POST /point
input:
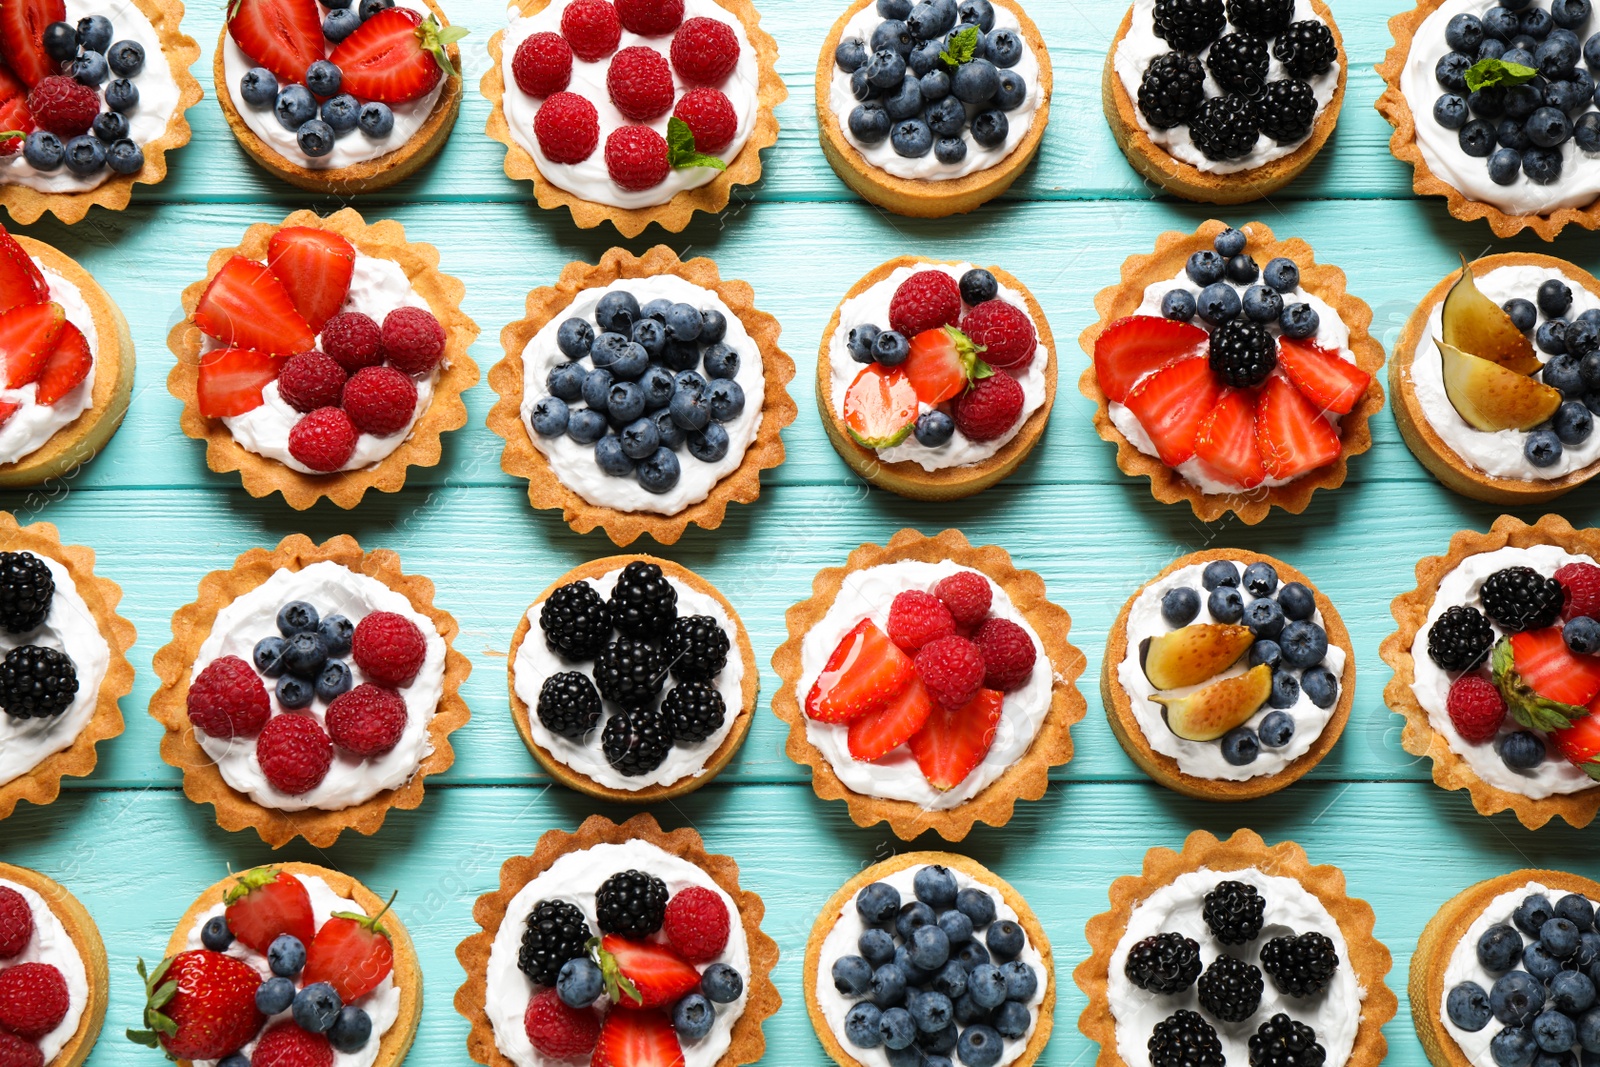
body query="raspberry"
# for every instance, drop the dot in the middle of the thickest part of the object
(650, 18)
(389, 648)
(323, 440)
(368, 720)
(16, 922)
(15, 1052)
(413, 340)
(967, 594)
(33, 999)
(1008, 654)
(542, 64)
(353, 339)
(704, 51)
(952, 670)
(63, 106)
(1005, 331)
(1476, 708)
(925, 301)
(636, 158)
(640, 83)
(286, 1045)
(592, 28)
(294, 753)
(557, 1031)
(990, 407)
(916, 617)
(567, 127)
(697, 924)
(228, 700)
(311, 380)
(710, 117)
(380, 400)
(1580, 590)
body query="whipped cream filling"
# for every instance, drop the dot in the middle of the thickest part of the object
(1464, 967)
(867, 594)
(34, 423)
(574, 879)
(872, 307)
(52, 945)
(332, 589)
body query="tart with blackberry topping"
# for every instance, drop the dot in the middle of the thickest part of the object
(53, 976)
(309, 690)
(1232, 370)
(632, 679)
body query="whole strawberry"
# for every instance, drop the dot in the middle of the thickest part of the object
(990, 408)
(266, 902)
(352, 952)
(1476, 708)
(1580, 590)
(927, 300)
(952, 670)
(199, 1005)
(33, 999)
(1006, 333)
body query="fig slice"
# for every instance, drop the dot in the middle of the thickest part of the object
(1191, 654)
(1491, 397)
(1207, 714)
(1478, 326)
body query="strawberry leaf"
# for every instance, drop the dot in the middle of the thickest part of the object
(437, 40)
(961, 48)
(617, 983)
(1488, 73)
(681, 151)
(1528, 707)
(370, 922)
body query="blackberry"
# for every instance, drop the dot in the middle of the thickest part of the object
(1306, 49)
(698, 648)
(26, 589)
(575, 621)
(1282, 1042)
(1460, 638)
(1520, 598)
(1243, 353)
(569, 705)
(1166, 963)
(1288, 110)
(630, 671)
(557, 932)
(1230, 989)
(1185, 1039)
(694, 712)
(1238, 63)
(1300, 966)
(1233, 911)
(37, 682)
(631, 903)
(1264, 18)
(1225, 127)
(1171, 89)
(1189, 25)
(643, 602)
(637, 740)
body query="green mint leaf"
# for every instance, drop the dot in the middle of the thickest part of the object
(1490, 73)
(961, 47)
(681, 151)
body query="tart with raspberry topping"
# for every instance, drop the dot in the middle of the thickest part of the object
(53, 976)
(633, 112)
(309, 690)
(323, 357)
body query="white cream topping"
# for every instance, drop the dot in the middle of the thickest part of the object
(1464, 967)
(34, 423)
(52, 945)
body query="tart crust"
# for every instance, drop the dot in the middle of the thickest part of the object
(368, 175)
(25, 205)
(1028, 777)
(1245, 849)
(972, 869)
(573, 779)
(261, 476)
(546, 491)
(762, 1000)
(396, 1042)
(1321, 279)
(917, 197)
(1164, 769)
(191, 625)
(1443, 462)
(85, 937)
(909, 478)
(1410, 610)
(43, 784)
(1190, 182)
(675, 214)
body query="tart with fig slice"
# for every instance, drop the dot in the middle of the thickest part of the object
(53, 978)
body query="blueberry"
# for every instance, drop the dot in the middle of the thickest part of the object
(596, 384)
(1531, 915)
(692, 382)
(268, 656)
(1589, 1032)
(1557, 56)
(852, 976)
(1297, 601)
(1281, 274)
(377, 120)
(332, 681)
(297, 617)
(906, 100)
(1489, 102)
(986, 985)
(968, 1012)
(1004, 48)
(1005, 939)
(215, 934)
(610, 457)
(888, 985)
(1573, 422)
(876, 946)
(1218, 303)
(1265, 619)
(1582, 336)
(304, 654)
(977, 905)
(1513, 1047)
(870, 124)
(929, 947)
(94, 33)
(124, 157)
(286, 956)
(914, 915)
(915, 976)
(891, 348)
(878, 903)
(110, 126)
(1240, 746)
(1012, 1020)
(1260, 579)
(899, 1030)
(975, 82)
(1535, 22)
(1547, 128)
(1551, 337)
(586, 426)
(631, 362)
(274, 995)
(1265, 651)
(368, 8)
(977, 286)
(1566, 95)
(1575, 907)
(122, 95)
(720, 983)
(295, 106)
(935, 86)
(351, 1030)
(1261, 304)
(323, 78)
(60, 41)
(935, 886)
(1242, 269)
(657, 384)
(885, 70)
(616, 311)
(911, 138)
(672, 435)
(1515, 998)
(1464, 33)
(951, 979)
(1559, 937)
(1304, 643)
(956, 926)
(1522, 313)
(893, 35)
(1276, 730)
(851, 55)
(1571, 992)
(1537, 961)
(1225, 604)
(1450, 111)
(85, 155)
(1178, 304)
(1591, 51)
(1570, 14)
(550, 415)
(1554, 297)
(858, 342)
(316, 1007)
(1219, 572)
(861, 1025)
(1451, 71)
(934, 428)
(1204, 267)
(1542, 165)
(1521, 101)
(1180, 606)
(1320, 686)
(1021, 981)
(1553, 1031)
(340, 23)
(43, 150)
(625, 402)
(1299, 320)
(1468, 1007)
(1500, 948)
(1229, 243)
(932, 1011)
(971, 954)
(1285, 690)
(341, 113)
(1542, 448)
(980, 1046)
(1588, 952)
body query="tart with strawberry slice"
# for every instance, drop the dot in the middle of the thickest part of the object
(309, 690)
(53, 977)
(633, 112)
(323, 357)
(1233, 371)
(622, 945)
(935, 380)
(928, 684)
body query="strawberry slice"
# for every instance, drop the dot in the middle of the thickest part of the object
(68, 365)
(352, 952)
(1138, 345)
(285, 36)
(21, 280)
(942, 364)
(1293, 435)
(15, 118)
(8, 408)
(637, 1039)
(1226, 443)
(266, 902)
(1552, 670)
(865, 672)
(246, 306)
(1579, 743)
(644, 974)
(1172, 403)
(952, 743)
(1327, 380)
(28, 336)
(396, 56)
(880, 407)
(875, 736)
(315, 268)
(231, 380)
(22, 24)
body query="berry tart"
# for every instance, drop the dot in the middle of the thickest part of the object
(642, 394)
(1232, 370)
(64, 666)
(1228, 675)
(1497, 669)
(341, 97)
(53, 977)
(939, 687)
(958, 379)
(1489, 379)
(633, 112)
(309, 690)
(594, 700)
(323, 357)
(1233, 951)
(1224, 103)
(935, 107)
(620, 946)
(291, 964)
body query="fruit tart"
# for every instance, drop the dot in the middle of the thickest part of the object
(1176, 971)
(1233, 371)
(309, 690)
(633, 112)
(1224, 103)
(638, 683)
(323, 357)
(961, 972)
(65, 662)
(935, 380)
(1497, 669)
(288, 964)
(618, 945)
(939, 687)
(1228, 676)
(935, 107)
(53, 978)
(642, 394)
(1489, 381)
